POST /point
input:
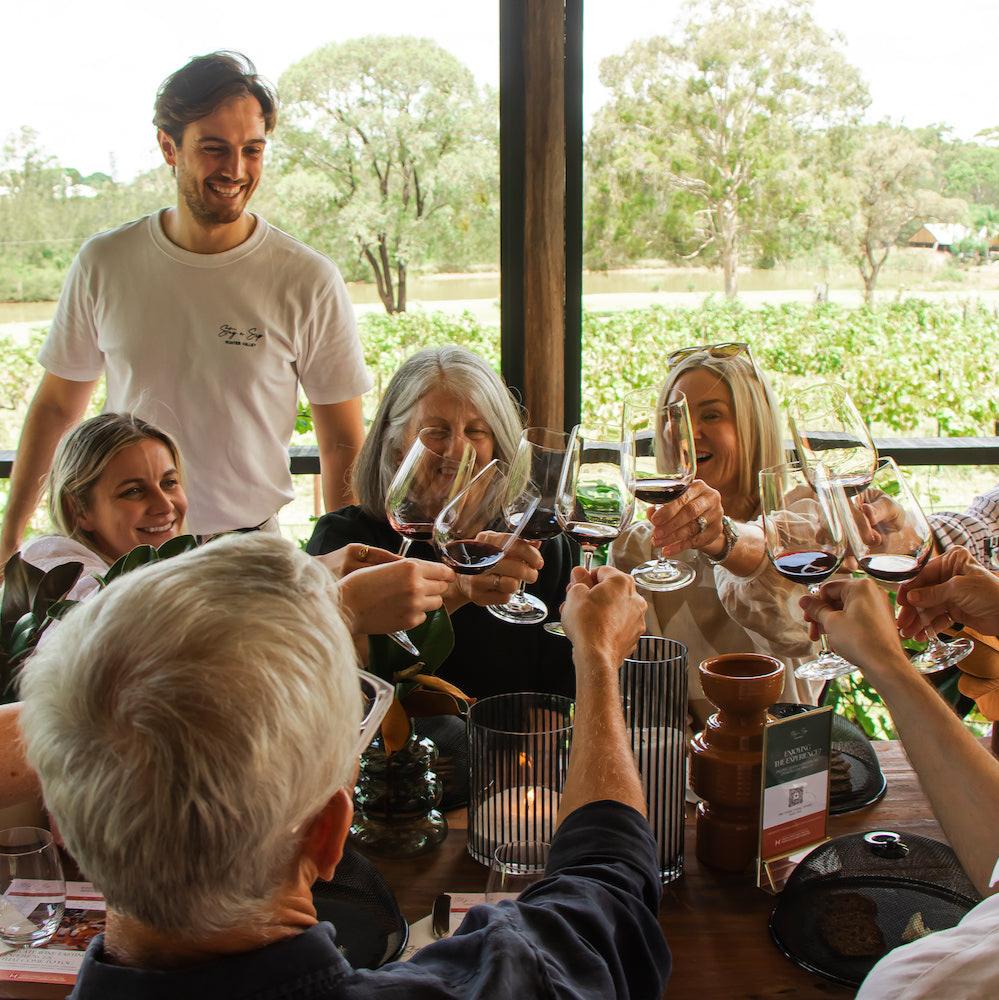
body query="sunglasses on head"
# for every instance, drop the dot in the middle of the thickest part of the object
(729, 349)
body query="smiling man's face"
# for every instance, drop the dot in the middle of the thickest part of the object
(219, 161)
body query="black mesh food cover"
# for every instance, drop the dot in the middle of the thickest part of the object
(855, 776)
(855, 898)
(370, 930)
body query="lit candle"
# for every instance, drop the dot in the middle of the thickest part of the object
(519, 813)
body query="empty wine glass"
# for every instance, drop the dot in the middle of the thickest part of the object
(32, 885)
(659, 462)
(534, 473)
(476, 509)
(515, 867)
(594, 504)
(805, 541)
(892, 541)
(827, 427)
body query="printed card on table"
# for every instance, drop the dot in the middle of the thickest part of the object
(794, 799)
(60, 960)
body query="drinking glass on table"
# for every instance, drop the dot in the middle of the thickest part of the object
(477, 509)
(594, 504)
(534, 473)
(32, 885)
(659, 462)
(827, 427)
(428, 477)
(515, 867)
(892, 541)
(805, 540)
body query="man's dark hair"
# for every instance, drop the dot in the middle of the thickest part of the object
(198, 88)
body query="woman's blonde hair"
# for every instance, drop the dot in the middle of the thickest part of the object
(81, 458)
(756, 413)
(450, 367)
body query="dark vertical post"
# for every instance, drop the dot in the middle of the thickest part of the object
(573, 210)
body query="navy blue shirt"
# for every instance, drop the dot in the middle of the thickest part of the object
(589, 931)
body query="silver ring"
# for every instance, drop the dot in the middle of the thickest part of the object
(702, 524)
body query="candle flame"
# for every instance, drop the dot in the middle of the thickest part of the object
(530, 796)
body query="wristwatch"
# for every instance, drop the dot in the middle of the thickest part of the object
(731, 534)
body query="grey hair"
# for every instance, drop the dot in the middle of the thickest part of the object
(187, 722)
(756, 413)
(449, 367)
(81, 458)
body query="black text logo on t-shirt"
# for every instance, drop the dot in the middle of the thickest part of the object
(239, 338)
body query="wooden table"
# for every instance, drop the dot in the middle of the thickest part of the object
(716, 924)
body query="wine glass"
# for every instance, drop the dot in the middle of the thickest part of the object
(515, 866)
(594, 504)
(805, 541)
(534, 473)
(426, 481)
(892, 541)
(827, 427)
(32, 885)
(659, 462)
(478, 508)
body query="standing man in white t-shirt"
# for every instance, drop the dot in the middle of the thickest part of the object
(206, 320)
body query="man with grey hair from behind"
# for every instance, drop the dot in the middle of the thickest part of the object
(195, 730)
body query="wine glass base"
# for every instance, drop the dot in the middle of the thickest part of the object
(521, 609)
(944, 655)
(555, 628)
(653, 575)
(824, 667)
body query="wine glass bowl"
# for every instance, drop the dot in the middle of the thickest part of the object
(827, 427)
(515, 867)
(892, 541)
(32, 886)
(659, 462)
(805, 540)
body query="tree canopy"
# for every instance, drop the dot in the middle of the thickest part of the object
(389, 154)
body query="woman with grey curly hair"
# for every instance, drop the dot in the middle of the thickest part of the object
(455, 392)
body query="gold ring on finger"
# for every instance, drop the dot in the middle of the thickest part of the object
(362, 553)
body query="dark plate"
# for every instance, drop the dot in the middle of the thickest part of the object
(795, 921)
(362, 934)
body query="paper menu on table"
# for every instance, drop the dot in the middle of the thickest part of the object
(420, 931)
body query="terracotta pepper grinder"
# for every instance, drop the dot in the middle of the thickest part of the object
(726, 759)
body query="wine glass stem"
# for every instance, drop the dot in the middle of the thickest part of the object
(587, 559)
(404, 547)
(823, 641)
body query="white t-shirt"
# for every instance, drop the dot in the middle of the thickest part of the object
(211, 348)
(960, 964)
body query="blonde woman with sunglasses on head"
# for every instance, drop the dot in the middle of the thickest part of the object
(737, 602)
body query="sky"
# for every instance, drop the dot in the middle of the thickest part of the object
(84, 76)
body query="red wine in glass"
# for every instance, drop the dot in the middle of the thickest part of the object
(892, 568)
(807, 567)
(589, 535)
(470, 557)
(659, 491)
(418, 531)
(542, 525)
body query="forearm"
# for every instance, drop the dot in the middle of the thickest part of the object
(747, 553)
(601, 765)
(959, 776)
(43, 428)
(335, 466)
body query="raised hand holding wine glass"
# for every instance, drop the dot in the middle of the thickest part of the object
(805, 540)
(892, 541)
(533, 484)
(660, 462)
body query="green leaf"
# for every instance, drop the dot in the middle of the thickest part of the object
(54, 586)
(141, 555)
(434, 638)
(176, 546)
(57, 611)
(21, 579)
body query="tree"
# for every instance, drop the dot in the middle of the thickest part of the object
(721, 114)
(887, 180)
(388, 151)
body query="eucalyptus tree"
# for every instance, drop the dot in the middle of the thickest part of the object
(388, 154)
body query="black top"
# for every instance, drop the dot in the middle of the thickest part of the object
(589, 931)
(490, 656)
